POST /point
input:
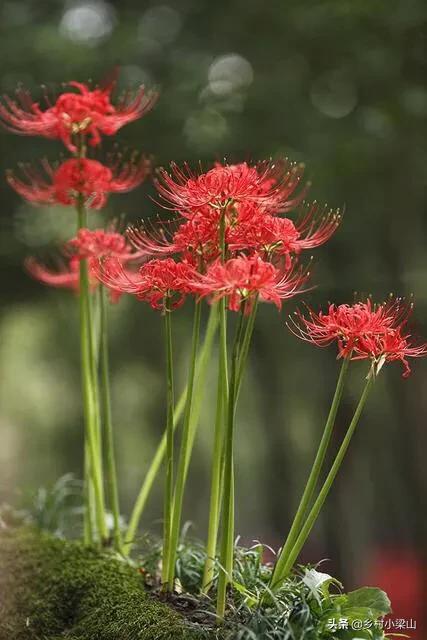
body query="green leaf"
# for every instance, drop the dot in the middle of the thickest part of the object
(250, 598)
(372, 598)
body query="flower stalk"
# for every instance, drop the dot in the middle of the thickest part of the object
(215, 492)
(88, 506)
(326, 487)
(312, 479)
(218, 449)
(227, 537)
(111, 471)
(168, 494)
(184, 455)
(220, 420)
(201, 373)
(90, 399)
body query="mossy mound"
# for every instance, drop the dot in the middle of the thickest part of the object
(52, 589)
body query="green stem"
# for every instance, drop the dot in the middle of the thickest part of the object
(88, 535)
(184, 450)
(315, 510)
(94, 350)
(169, 446)
(89, 397)
(89, 405)
(243, 356)
(215, 494)
(227, 541)
(108, 424)
(201, 371)
(217, 457)
(313, 477)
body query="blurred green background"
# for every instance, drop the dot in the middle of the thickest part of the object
(338, 84)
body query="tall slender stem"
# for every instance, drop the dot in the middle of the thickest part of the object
(246, 342)
(201, 371)
(88, 528)
(220, 419)
(324, 491)
(227, 541)
(313, 477)
(184, 450)
(217, 456)
(169, 446)
(89, 397)
(108, 425)
(215, 494)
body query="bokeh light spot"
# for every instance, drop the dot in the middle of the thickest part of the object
(229, 73)
(88, 22)
(334, 95)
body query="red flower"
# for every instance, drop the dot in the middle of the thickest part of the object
(197, 239)
(66, 275)
(88, 112)
(363, 331)
(90, 245)
(244, 278)
(390, 346)
(270, 185)
(316, 226)
(98, 244)
(78, 177)
(273, 235)
(156, 282)
(248, 229)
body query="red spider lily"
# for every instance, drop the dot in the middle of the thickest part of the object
(87, 112)
(268, 184)
(157, 281)
(78, 177)
(264, 233)
(362, 331)
(91, 245)
(197, 239)
(391, 346)
(66, 275)
(248, 229)
(98, 244)
(273, 235)
(244, 278)
(153, 239)
(316, 226)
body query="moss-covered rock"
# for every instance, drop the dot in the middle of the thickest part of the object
(52, 589)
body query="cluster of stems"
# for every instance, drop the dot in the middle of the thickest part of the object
(309, 508)
(97, 406)
(220, 540)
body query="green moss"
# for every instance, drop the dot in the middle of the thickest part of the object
(52, 589)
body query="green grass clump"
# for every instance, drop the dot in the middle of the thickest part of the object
(52, 589)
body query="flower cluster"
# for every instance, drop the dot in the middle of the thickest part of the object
(92, 245)
(164, 284)
(230, 232)
(363, 331)
(86, 111)
(78, 178)
(242, 279)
